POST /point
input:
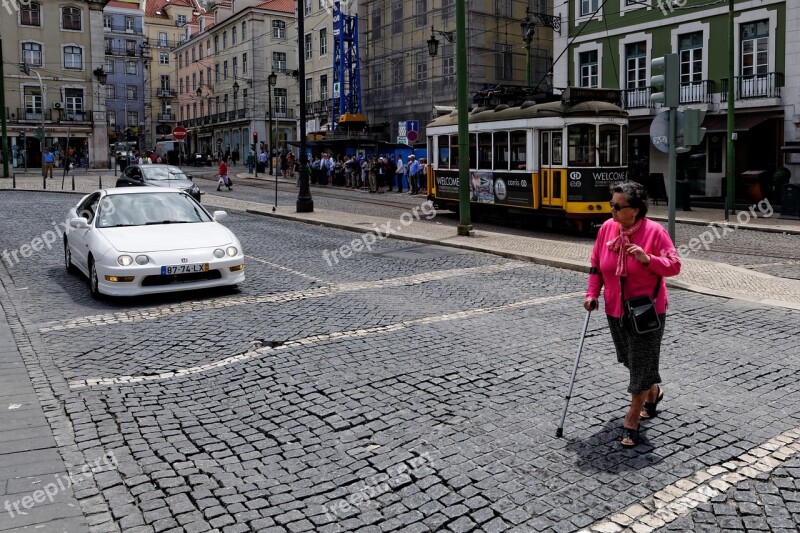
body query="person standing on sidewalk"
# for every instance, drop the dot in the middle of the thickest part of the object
(413, 170)
(399, 172)
(48, 162)
(631, 257)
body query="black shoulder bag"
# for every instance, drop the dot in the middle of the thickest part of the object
(640, 311)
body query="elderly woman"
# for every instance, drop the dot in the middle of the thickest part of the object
(631, 258)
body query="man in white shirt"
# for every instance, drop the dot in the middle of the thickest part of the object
(399, 172)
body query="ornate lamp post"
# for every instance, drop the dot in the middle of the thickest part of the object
(305, 204)
(528, 28)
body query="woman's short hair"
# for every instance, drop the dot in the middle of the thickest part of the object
(635, 195)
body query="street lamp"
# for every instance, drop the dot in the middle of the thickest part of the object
(235, 99)
(528, 29)
(433, 51)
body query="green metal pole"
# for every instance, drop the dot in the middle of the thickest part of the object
(465, 224)
(730, 150)
(4, 140)
(527, 64)
(671, 169)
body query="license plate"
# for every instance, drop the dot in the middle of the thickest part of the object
(169, 270)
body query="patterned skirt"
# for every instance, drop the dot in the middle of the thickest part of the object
(639, 353)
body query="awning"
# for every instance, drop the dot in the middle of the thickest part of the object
(742, 123)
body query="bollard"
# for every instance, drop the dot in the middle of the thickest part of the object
(44, 180)
(101, 182)
(73, 182)
(13, 180)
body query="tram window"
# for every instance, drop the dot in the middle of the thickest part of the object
(485, 151)
(444, 151)
(558, 152)
(473, 148)
(609, 145)
(501, 150)
(624, 145)
(581, 139)
(453, 151)
(519, 149)
(545, 148)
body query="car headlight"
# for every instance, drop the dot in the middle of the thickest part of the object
(125, 260)
(219, 253)
(232, 251)
(142, 259)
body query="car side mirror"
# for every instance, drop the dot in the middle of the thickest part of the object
(219, 216)
(78, 223)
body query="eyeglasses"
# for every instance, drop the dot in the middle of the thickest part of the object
(617, 207)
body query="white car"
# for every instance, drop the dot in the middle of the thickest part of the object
(132, 241)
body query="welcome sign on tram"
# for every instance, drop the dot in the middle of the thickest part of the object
(499, 188)
(582, 183)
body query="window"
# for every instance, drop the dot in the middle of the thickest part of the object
(504, 68)
(235, 67)
(244, 31)
(216, 44)
(635, 65)
(108, 67)
(71, 18)
(33, 100)
(420, 12)
(309, 90)
(133, 118)
(502, 8)
(519, 149)
(581, 145)
(244, 98)
(244, 63)
(165, 82)
(32, 54)
(280, 101)
(202, 81)
(131, 92)
(73, 101)
(181, 20)
(128, 24)
(278, 60)
(755, 48)
(31, 14)
(130, 68)
(73, 57)
(323, 87)
(397, 17)
(163, 58)
(377, 30)
(484, 151)
(180, 86)
(208, 74)
(224, 70)
(194, 81)
(109, 46)
(162, 38)
(226, 103)
(589, 6)
(448, 9)
(588, 69)
(448, 60)
(130, 48)
(180, 61)
(111, 118)
(307, 7)
(216, 73)
(208, 47)
(233, 36)
(690, 49)
(610, 146)
(307, 46)
(377, 78)
(278, 29)
(107, 23)
(224, 39)
(500, 150)
(421, 69)
(111, 92)
(397, 73)
(194, 55)
(323, 41)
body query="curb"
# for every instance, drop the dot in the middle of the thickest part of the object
(695, 222)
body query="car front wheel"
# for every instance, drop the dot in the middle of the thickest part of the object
(68, 259)
(94, 281)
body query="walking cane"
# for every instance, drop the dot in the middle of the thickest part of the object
(560, 430)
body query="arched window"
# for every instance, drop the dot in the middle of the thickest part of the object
(32, 54)
(30, 15)
(71, 18)
(73, 57)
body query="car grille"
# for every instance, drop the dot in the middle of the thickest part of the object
(153, 281)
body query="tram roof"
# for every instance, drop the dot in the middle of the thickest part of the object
(533, 110)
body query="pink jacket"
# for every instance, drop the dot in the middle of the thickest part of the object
(641, 279)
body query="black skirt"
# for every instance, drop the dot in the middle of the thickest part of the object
(639, 353)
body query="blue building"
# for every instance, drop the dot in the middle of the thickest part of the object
(127, 64)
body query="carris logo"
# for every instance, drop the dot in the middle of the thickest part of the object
(575, 175)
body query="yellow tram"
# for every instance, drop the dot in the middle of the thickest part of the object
(555, 160)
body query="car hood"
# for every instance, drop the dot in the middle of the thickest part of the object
(165, 237)
(174, 184)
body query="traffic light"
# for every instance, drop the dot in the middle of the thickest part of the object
(255, 137)
(693, 133)
(667, 84)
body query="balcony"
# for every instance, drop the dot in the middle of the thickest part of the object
(164, 117)
(321, 107)
(284, 113)
(119, 28)
(697, 92)
(119, 51)
(751, 87)
(166, 93)
(638, 98)
(24, 115)
(76, 116)
(242, 113)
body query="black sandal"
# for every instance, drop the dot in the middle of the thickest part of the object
(650, 408)
(632, 434)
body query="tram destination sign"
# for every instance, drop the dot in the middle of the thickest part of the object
(592, 184)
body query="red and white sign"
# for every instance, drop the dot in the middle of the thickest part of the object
(412, 136)
(179, 133)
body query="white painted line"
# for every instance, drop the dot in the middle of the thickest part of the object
(286, 269)
(316, 339)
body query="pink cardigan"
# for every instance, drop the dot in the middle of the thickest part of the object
(641, 279)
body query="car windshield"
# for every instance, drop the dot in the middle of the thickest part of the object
(163, 173)
(143, 209)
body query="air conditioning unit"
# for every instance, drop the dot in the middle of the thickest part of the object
(58, 105)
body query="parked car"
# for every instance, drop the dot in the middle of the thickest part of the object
(158, 176)
(200, 160)
(143, 240)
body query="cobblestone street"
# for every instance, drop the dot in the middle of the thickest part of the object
(408, 388)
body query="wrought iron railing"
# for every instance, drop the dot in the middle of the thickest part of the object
(756, 86)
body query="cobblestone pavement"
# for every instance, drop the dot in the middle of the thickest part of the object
(411, 388)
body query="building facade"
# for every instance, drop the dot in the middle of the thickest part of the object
(222, 76)
(61, 45)
(164, 21)
(127, 65)
(318, 57)
(620, 39)
(403, 82)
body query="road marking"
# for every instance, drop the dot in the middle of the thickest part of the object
(286, 269)
(680, 498)
(316, 339)
(153, 313)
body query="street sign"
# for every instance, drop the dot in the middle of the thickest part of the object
(412, 136)
(659, 130)
(179, 133)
